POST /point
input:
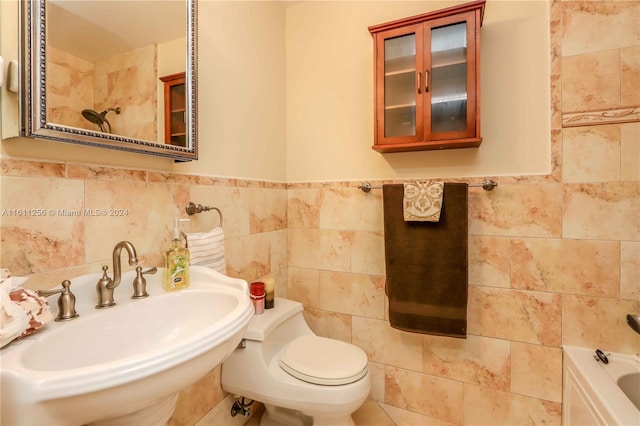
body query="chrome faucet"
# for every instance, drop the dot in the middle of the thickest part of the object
(105, 284)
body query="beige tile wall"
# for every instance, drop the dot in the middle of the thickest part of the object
(553, 259)
(128, 80)
(70, 88)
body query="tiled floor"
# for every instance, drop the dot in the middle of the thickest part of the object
(373, 413)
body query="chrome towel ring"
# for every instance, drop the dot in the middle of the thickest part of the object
(193, 208)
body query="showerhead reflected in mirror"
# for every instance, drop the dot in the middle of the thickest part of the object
(100, 119)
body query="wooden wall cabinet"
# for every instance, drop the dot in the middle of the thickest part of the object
(427, 80)
(175, 109)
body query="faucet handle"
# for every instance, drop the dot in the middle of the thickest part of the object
(140, 283)
(66, 301)
(105, 276)
(104, 287)
(105, 280)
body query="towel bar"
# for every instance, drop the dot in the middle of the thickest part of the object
(487, 185)
(192, 208)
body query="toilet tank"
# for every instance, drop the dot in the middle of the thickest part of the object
(263, 325)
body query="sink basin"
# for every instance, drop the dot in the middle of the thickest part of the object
(630, 385)
(125, 364)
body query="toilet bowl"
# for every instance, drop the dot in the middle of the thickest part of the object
(301, 378)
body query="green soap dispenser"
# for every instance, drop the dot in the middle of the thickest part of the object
(176, 261)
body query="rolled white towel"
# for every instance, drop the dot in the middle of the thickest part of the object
(207, 249)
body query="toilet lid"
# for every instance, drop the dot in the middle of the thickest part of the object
(324, 361)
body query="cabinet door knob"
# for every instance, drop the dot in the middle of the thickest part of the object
(419, 82)
(426, 81)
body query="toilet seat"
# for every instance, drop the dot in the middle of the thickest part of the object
(323, 361)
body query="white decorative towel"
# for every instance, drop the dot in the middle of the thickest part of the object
(422, 201)
(14, 319)
(22, 311)
(207, 249)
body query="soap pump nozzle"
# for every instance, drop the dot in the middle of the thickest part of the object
(177, 233)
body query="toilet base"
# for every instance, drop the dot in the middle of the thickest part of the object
(278, 416)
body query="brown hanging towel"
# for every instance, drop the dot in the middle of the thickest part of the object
(427, 264)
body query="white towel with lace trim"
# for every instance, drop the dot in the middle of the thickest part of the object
(422, 201)
(207, 249)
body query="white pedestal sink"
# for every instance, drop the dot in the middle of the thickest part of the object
(125, 364)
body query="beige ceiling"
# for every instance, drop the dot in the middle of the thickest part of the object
(95, 30)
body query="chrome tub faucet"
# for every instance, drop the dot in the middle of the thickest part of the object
(106, 285)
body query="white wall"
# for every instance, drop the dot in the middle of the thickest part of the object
(330, 93)
(241, 89)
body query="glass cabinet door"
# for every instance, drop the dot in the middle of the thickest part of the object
(450, 80)
(400, 62)
(399, 86)
(177, 115)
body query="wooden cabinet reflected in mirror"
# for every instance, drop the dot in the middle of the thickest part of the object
(174, 109)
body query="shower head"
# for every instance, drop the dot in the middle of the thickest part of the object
(93, 116)
(100, 119)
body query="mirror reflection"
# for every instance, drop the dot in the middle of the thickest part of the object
(115, 73)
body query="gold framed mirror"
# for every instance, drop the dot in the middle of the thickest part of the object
(92, 74)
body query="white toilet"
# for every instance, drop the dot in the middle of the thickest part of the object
(301, 378)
